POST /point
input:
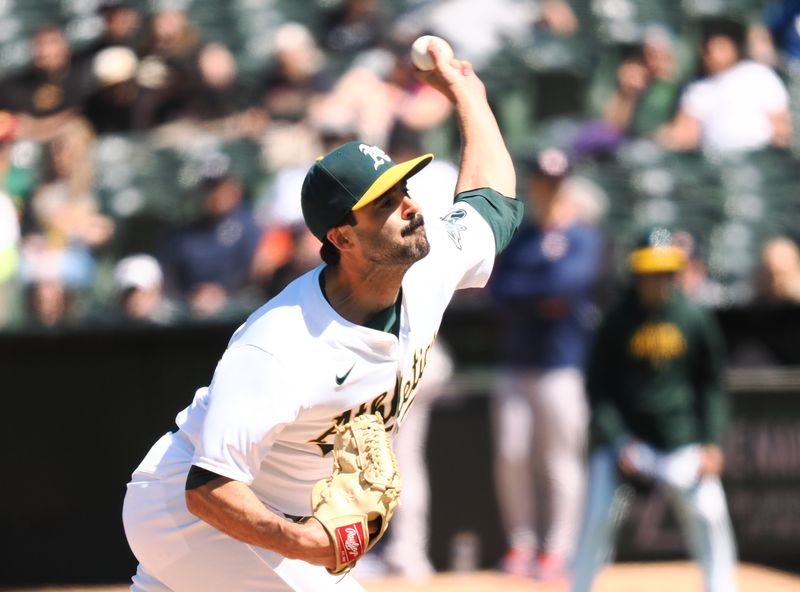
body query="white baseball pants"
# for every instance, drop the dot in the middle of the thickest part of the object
(699, 504)
(540, 418)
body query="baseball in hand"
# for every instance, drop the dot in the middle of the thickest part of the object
(419, 51)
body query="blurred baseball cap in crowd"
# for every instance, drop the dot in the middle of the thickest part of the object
(113, 65)
(550, 162)
(658, 35)
(656, 252)
(214, 168)
(348, 179)
(141, 272)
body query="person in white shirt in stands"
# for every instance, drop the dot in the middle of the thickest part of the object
(740, 105)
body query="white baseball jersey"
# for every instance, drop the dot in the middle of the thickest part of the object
(296, 369)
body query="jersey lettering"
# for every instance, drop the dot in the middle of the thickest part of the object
(378, 406)
(403, 396)
(658, 342)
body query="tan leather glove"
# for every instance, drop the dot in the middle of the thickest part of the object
(363, 491)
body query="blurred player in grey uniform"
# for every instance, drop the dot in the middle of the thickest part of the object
(543, 288)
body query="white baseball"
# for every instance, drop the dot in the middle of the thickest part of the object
(419, 51)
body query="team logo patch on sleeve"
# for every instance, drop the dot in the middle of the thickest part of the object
(452, 226)
(350, 539)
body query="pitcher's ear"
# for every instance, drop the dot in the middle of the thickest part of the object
(338, 237)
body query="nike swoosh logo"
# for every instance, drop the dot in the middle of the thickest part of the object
(340, 379)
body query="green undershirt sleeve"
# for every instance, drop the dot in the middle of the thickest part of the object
(503, 214)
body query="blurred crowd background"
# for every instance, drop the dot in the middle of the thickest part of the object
(151, 151)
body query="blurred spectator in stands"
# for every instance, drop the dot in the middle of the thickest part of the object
(52, 90)
(220, 91)
(647, 86)
(353, 26)
(477, 30)
(208, 262)
(779, 272)
(218, 101)
(122, 26)
(543, 288)
(64, 207)
(298, 79)
(52, 303)
(9, 228)
(63, 226)
(382, 91)
(167, 68)
(738, 105)
(110, 108)
(139, 283)
(299, 74)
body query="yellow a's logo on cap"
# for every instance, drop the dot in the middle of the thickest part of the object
(377, 155)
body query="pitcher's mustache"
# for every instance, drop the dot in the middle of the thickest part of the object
(415, 223)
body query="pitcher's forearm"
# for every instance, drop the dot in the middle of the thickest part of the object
(232, 507)
(485, 161)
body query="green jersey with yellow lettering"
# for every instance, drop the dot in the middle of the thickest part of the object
(657, 376)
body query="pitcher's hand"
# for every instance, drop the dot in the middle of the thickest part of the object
(313, 545)
(454, 78)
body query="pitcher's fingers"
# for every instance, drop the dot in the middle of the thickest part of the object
(441, 56)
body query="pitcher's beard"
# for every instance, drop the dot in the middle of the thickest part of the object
(408, 252)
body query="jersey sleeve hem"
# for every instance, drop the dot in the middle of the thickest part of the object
(223, 470)
(502, 213)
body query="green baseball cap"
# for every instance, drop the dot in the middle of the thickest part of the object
(347, 179)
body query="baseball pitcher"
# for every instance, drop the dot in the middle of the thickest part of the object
(280, 473)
